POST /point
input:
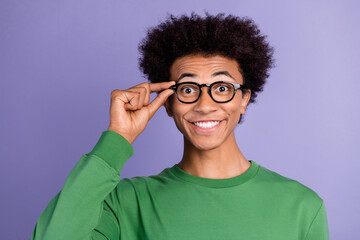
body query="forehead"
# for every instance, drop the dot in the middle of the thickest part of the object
(204, 66)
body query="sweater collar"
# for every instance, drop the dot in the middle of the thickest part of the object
(216, 183)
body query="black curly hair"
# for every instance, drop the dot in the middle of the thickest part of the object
(229, 36)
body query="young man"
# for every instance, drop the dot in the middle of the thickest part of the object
(207, 71)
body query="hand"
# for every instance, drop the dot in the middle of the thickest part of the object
(130, 110)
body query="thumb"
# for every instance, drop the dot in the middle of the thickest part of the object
(159, 101)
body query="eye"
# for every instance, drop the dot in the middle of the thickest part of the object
(222, 88)
(188, 89)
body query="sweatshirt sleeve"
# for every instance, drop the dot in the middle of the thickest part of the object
(319, 229)
(84, 208)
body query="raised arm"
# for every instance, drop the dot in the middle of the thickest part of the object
(86, 207)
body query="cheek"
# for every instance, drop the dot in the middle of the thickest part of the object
(179, 117)
(179, 110)
(234, 110)
(235, 104)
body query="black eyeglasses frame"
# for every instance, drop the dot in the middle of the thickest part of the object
(236, 87)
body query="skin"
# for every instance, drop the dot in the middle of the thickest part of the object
(209, 155)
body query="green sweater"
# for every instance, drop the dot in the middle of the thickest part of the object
(96, 204)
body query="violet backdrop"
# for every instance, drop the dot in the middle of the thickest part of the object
(60, 60)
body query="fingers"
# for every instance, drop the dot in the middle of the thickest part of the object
(130, 100)
(156, 87)
(159, 101)
(146, 89)
(138, 96)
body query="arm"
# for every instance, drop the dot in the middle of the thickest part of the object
(319, 227)
(85, 207)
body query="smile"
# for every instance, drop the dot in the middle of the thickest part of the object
(208, 124)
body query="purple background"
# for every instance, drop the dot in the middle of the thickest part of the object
(60, 60)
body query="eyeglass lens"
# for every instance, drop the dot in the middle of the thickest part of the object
(221, 92)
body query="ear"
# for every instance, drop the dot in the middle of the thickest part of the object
(168, 108)
(245, 100)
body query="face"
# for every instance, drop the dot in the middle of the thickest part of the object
(206, 124)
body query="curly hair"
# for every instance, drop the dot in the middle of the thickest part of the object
(229, 36)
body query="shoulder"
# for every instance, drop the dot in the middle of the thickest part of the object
(287, 186)
(140, 183)
(129, 191)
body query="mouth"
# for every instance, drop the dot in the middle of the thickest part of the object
(207, 123)
(206, 126)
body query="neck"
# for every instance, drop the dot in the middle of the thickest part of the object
(225, 161)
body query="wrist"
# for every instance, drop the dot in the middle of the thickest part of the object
(126, 136)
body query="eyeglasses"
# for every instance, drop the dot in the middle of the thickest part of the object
(220, 92)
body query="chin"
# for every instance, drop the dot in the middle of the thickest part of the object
(204, 145)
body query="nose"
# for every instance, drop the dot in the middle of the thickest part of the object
(205, 104)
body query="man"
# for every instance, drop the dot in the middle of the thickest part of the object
(206, 70)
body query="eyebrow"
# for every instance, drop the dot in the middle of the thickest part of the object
(186, 75)
(226, 73)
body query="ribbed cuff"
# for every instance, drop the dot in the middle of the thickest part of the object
(113, 149)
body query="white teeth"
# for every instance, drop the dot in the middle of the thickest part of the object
(207, 124)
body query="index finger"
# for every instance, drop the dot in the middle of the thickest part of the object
(156, 87)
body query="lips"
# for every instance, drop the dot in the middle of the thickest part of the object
(209, 124)
(206, 126)
(212, 120)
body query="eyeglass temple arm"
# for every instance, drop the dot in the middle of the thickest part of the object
(239, 86)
